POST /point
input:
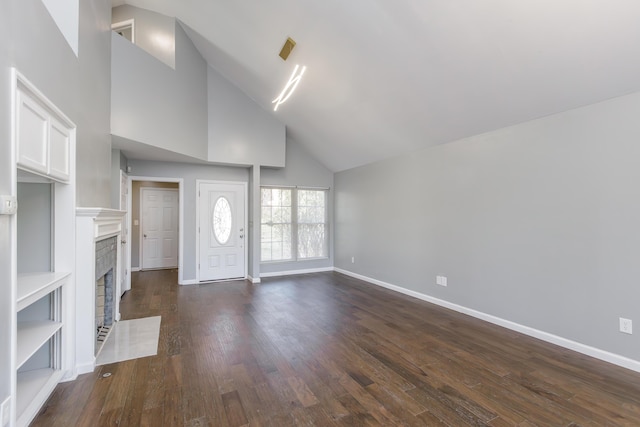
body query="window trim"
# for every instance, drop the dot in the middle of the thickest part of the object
(294, 223)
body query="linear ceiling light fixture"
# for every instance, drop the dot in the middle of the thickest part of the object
(289, 87)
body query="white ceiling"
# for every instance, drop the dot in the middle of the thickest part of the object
(387, 77)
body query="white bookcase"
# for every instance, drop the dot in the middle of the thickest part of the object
(43, 339)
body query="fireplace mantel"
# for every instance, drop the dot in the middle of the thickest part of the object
(92, 225)
(107, 222)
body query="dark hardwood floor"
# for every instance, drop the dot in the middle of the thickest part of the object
(328, 350)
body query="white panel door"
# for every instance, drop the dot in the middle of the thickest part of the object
(222, 230)
(159, 228)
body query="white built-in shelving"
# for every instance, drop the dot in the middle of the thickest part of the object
(45, 251)
(33, 388)
(33, 286)
(32, 336)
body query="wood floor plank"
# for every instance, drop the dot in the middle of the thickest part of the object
(234, 409)
(132, 411)
(325, 349)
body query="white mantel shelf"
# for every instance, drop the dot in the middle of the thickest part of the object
(100, 212)
(107, 222)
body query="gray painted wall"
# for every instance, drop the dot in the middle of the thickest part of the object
(157, 105)
(254, 229)
(302, 170)
(93, 103)
(118, 163)
(34, 227)
(190, 173)
(79, 86)
(155, 33)
(240, 131)
(535, 223)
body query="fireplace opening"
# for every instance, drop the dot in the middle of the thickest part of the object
(104, 306)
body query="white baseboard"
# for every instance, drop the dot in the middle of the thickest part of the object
(253, 280)
(85, 368)
(70, 375)
(133, 269)
(188, 282)
(292, 272)
(597, 353)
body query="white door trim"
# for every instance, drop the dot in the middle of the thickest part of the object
(180, 182)
(126, 250)
(246, 223)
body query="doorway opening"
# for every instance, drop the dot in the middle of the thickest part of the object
(156, 223)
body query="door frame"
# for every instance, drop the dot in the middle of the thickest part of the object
(180, 182)
(246, 225)
(141, 231)
(126, 235)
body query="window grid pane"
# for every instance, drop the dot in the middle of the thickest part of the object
(312, 241)
(275, 224)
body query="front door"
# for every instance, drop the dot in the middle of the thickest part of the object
(159, 228)
(221, 230)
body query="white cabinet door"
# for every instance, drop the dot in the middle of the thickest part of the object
(32, 134)
(58, 150)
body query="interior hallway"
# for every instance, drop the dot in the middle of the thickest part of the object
(325, 349)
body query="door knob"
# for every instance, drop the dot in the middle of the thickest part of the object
(124, 242)
(145, 236)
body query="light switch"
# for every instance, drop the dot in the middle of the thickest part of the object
(136, 222)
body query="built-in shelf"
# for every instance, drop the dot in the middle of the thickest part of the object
(33, 388)
(44, 255)
(33, 286)
(32, 336)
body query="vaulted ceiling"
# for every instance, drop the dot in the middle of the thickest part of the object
(387, 77)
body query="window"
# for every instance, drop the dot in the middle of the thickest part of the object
(312, 218)
(293, 224)
(275, 224)
(221, 220)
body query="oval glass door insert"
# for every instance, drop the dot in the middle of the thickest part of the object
(222, 220)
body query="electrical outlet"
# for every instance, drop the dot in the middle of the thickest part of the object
(8, 205)
(441, 280)
(5, 411)
(353, 260)
(626, 326)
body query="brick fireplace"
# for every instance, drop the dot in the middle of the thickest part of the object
(106, 264)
